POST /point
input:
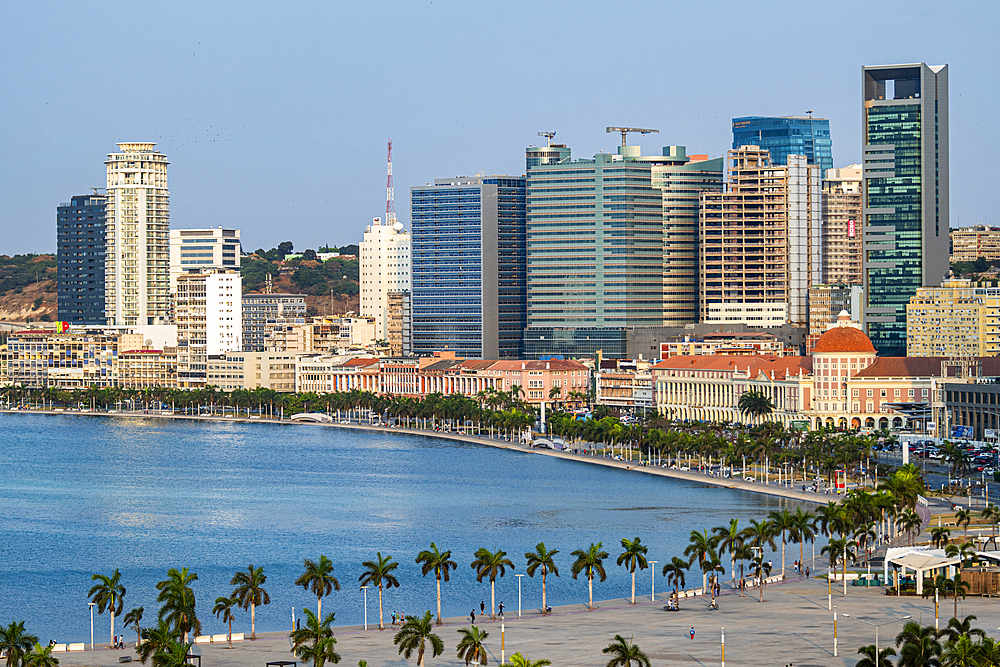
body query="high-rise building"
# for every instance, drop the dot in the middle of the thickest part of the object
(970, 243)
(385, 268)
(782, 136)
(399, 325)
(956, 319)
(760, 241)
(201, 250)
(137, 259)
(209, 318)
(842, 248)
(468, 266)
(595, 254)
(906, 219)
(262, 313)
(80, 260)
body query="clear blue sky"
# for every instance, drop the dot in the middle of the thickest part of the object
(275, 116)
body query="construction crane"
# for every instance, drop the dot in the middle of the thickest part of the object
(548, 137)
(626, 130)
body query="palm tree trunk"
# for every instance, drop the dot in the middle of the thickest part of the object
(380, 626)
(633, 584)
(230, 632)
(544, 606)
(253, 621)
(319, 607)
(493, 599)
(439, 598)
(590, 586)
(112, 626)
(782, 555)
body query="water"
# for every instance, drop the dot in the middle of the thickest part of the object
(83, 494)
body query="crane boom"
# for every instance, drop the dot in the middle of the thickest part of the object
(626, 130)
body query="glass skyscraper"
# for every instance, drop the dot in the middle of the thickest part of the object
(80, 259)
(782, 136)
(468, 266)
(905, 199)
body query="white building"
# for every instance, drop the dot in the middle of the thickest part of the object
(209, 316)
(200, 250)
(137, 285)
(385, 267)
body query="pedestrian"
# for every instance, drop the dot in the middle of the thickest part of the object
(482, 607)
(472, 616)
(807, 571)
(394, 618)
(691, 632)
(501, 607)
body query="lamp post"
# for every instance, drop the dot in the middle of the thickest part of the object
(91, 605)
(519, 594)
(723, 647)
(652, 580)
(503, 646)
(835, 632)
(365, 589)
(876, 626)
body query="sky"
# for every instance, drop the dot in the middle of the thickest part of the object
(275, 116)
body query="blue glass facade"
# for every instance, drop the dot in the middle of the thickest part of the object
(80, 248)
(787, 135)
(468, 266)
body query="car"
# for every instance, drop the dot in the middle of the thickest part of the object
(749, 479)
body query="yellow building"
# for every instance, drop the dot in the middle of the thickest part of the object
(970, 243)
(953, 320)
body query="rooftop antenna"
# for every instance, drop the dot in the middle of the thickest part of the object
(626, 130)
(810, 112)
(548, 137)
(390, 205)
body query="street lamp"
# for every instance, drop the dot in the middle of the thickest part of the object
(876, 626)
(652, 579)
(365, 589)
(519, 594)
(91, 605)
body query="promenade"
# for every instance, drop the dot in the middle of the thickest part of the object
(791, 626)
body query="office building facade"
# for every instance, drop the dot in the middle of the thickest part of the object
(468, 266)
(209, 318)
(970, 243)
(385, 268)
(959, 318)
(842, 246)
(137, 225)
(262, 313)
(782, 136)
(202, 250)
(906, 214)
(80, 239)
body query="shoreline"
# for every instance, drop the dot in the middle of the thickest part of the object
(690, 476)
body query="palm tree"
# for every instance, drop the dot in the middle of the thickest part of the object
(674, 572)
(755, 404)
(727, 539)
(134, 618)
(918, 646)
(801, 530)
(782, 521)
(761, 569)
(250, 592)
(518, 660)
(471, 646)
(700, 548)
(107, 594)
(869, 656)
(414, 635)
(223, 611)
(16, 643)
(318, 578)
(625, 654)
(491, 564)
(379, 573)
(839, 549)
(961, 652)
(542, 558)
(992, 514)
(41, 656)
(962, 518)
(940, 536)
(590, 561)
(314, 641)
(634, 555)
(156, 641)
(174, 654)
(963, 628)
(178, 609)
(438, 562)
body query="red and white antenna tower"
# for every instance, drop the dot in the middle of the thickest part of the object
(390, 205)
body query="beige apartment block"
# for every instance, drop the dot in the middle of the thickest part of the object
(252, 370)
(970, 243)
(954, 320)
(842, 238)
(148, 369)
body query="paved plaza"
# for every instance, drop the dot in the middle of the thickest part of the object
(791, 626)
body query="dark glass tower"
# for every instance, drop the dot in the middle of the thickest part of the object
(905, 200)
(80, 259)
(468, 266)
(787, 135)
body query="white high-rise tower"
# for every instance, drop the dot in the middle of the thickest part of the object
(385, 268)
(137, 260)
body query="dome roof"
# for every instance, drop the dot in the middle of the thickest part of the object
(844, 339)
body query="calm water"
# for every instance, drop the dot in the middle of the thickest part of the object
(83, 494)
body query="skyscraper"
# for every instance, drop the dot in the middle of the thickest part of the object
(467, 264)
(80, 260)
(385, 268)
(842, 256)
(137, 260)
(201, 250)
(782, 136)
(906, 218)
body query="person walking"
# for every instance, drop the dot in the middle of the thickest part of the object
(482, 607)
(472, 616)
(691, 632)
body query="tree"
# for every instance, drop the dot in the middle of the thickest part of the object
(632, 556)
(782, 521)
(590, 561)
(156, 640)
(318, 578)
(107, 594)
(134, 618)
(802, 530)
(178, 609)
(414, 635)
(674, 572)
(41, 656)
(314, 641)
(961, 652)
(284, 248)
(625, 654)
(701, 548)
(16, 643)
(542, 558)
(962, 518)
(869, 656)
(728, 540)
(223, 611)
(174, 654)
(472, 645)
(940, 536)
(250, 592)
(839, 549)
(760, 569)
(755, 404)
(918, 646)
(518, 660)
(956, 629)
(439, 562)
(379, 573)
(491, 564)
